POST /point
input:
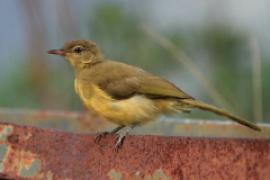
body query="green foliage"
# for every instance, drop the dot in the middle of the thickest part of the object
(17, 89)
(230, 56)
(266, 90)
(120, 37)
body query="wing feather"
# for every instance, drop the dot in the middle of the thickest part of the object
(122, 81)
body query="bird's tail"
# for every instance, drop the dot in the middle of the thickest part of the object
(216, 110)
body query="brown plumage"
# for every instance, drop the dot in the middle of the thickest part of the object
(124, 94)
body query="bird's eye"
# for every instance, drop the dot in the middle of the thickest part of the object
(78, 49)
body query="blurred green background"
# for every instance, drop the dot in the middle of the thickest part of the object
(217, 51)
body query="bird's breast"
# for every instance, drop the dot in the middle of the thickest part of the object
(136, 109)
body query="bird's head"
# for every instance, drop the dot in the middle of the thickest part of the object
(80, 53)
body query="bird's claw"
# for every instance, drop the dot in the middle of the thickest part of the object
(99, 136)
(120, 134)
(119, 140)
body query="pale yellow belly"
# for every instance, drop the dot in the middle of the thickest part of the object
(137, 109)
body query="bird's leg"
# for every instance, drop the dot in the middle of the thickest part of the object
(121, 135)
(99, 136)
(115, 130)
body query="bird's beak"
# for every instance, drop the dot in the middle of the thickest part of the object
(59, 52)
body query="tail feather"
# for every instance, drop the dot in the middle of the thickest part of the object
(216, 110)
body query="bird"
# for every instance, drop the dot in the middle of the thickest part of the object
(126, 95)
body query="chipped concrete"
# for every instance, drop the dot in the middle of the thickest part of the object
(5, 131)
(30, 170)
(49, 175)
(3, 152)
(160, 175)
(114, 175)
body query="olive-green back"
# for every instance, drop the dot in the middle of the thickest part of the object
(121, 81)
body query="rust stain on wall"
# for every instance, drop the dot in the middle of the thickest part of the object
(34, 153)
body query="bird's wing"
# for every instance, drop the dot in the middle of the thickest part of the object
(122, 81)
(156, 87)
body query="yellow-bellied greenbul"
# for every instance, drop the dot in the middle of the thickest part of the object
(124, 94)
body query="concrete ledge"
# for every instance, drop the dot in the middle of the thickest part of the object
(33, 153)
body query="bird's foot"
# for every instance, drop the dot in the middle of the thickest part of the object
(101, 135)
(120, 137)
(119, 140)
